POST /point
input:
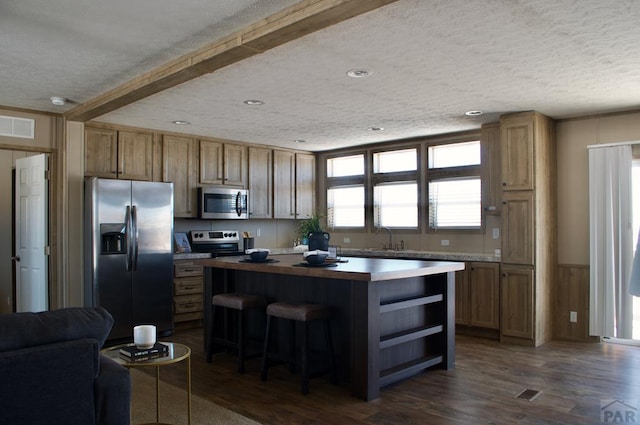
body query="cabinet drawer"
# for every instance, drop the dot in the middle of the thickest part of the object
(187, 268)
(187, 304)
(187, 285)
(187, 317)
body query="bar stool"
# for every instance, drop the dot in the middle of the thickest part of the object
(305, 314)
(241, 303)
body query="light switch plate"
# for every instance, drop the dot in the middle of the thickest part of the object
(496, 233)
(573, 316)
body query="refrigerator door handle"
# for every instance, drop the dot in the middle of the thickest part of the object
(129, 233)
(134, 232)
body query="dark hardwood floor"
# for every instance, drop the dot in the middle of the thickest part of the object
(575, 379)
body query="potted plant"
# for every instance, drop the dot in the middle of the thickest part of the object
(310, 231)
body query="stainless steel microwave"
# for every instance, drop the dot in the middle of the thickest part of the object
(215, 202)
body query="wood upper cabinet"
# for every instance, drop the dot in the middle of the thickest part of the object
(517, 153)
(100, 152)
(305, 185)
(260, 182)
(113, 154)
(484, 295)
(284, 184)
(223, 163)
(491, 161)
(518, 302)
(294, 184)
(178, 166)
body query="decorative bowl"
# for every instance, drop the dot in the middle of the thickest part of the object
(259, 255)
(316, 259)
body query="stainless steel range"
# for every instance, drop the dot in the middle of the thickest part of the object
(216, 242)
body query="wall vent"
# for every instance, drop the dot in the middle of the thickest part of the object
(17, 127)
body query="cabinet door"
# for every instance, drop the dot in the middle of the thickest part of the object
(260, 183)
(211, 162)
(135, 156)
(178, 155)
(283, 184)
(235, 165)
(484, 295)
(517, 302)
(491, 165)
(462, 298)
(517, 152)
(305, 185)
(517, 227)
(100, 153)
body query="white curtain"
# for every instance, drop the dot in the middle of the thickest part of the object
(611, 241)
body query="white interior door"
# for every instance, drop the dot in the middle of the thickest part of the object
(31, 205)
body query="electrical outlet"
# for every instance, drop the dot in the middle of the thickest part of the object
(497, 252)
(444, 242)
(496, 233)
(258, 231)
(346, 240)
(573, 316)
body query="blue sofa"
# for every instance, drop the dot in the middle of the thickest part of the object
(52, 372)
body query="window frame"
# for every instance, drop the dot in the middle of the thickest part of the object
(446, 173)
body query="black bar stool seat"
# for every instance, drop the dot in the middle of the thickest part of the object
(304, 313)
(241, 303)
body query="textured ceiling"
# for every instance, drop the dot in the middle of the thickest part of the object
(431, 62)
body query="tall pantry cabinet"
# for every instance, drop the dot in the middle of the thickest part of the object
(528, 227)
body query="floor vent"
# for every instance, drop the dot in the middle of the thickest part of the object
(528, 394)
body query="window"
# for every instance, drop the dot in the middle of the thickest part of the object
(396, 204)
(345, 166)
(345, 191)
(455, 186)
(345, 206)
(455, 203)
(454, 155)
(395, 161)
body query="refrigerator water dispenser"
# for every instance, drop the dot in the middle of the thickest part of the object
(113, 238)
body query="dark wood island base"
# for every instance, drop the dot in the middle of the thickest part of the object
(394, 318)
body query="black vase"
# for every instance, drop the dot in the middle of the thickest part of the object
(318, 240)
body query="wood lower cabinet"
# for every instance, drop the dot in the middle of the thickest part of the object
(517, 302)
(478, 295)
(118, 154)
(187, 294)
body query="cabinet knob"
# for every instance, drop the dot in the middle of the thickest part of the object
(504, 183)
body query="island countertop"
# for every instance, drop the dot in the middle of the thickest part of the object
(355, 268)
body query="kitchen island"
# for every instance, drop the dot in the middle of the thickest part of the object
(394, 318)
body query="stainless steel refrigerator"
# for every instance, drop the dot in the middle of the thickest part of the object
(129, 253)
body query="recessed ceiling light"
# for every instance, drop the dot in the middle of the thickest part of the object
(359, 73)
(473, 113)
(376, 128)
(58, 101)
(181, 122)
(300, 141)
(254, 102)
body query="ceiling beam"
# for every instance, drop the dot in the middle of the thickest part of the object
(294, 22)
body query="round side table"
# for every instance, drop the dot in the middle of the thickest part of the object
(177, 353)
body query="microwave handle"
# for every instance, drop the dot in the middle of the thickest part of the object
(238, 204)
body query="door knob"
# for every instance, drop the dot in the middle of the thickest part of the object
(16, 258)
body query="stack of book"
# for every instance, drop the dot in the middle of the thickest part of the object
(135, 354)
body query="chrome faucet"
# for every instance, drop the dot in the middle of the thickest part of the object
(390, 246)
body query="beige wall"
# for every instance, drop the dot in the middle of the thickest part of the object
(573, 137)
(74, 155)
